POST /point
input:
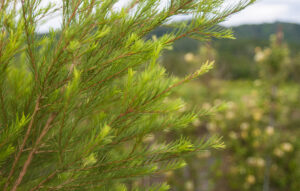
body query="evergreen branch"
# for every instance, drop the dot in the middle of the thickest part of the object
(58, 54)
(216, 20)
(52, 175)
(45, 180)
(202, 146)
(74, 12)
(93, 183)
(106, 79)
(3, 108)
(17, 157)
(29, 43)
(132, 6)
(97, 122)
(204, 68)
(104, 66)
(30, 156)
(60, 131)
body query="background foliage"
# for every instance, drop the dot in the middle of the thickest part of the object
(260, 124)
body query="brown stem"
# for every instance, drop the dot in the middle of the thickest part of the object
(3, 108)
(30, 156)
(29, 44)
(23, 143)
(45, 180)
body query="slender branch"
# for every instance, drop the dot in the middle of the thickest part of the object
(45, 180)
(2, 5)
(59, 43)
(106, 79)
(36, 109)
(30, 156)
(29, 44)
(216, 20)
(61, 131)
(3, 108)
(107, 63)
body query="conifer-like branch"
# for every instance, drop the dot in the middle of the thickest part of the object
(18, 155)
(92, 91)
(30, 156)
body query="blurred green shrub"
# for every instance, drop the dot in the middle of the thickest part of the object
(260, 127)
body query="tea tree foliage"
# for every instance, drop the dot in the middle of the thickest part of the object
(77, 104)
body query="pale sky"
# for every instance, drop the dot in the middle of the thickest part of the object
(264, 11)
(268, 11)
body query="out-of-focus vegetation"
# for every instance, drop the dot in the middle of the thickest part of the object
(235, 57)
(256, 87)
(250, 140)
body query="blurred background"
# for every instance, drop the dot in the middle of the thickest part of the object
(254, 95)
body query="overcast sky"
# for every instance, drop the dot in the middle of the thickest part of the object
(264, 11)
(268, 11)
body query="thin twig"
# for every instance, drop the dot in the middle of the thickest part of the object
(36, 109)
(30, 156)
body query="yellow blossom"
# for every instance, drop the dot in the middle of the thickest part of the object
(189, 57)
(244, 126)
(189, 186)
(270, 130)
(250, 179)
(260, 162)
(287, 147)
(256, 161)
(259, 57)
(257, 115)
(232, 135)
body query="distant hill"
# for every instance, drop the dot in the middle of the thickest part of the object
(235, 57)
(259, 34)
(263, 31)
